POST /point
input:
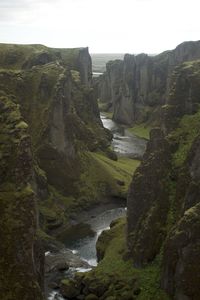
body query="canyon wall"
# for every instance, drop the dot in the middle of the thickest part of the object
(49, 125)
(22, 258)
(136, 87)
(163, 201)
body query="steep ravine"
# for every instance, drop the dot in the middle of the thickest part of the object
(82, 242)
(50, 130)
(55, 159)
(154, 254)
(57, 164)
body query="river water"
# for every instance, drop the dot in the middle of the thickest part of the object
(124, 144)
(85, 247)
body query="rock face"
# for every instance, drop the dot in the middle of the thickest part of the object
(57, 102)
(163, 201)
(148, 202)
(49, 122)
(21, 263)
(139, 85)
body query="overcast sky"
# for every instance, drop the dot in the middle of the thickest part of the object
(115, 26)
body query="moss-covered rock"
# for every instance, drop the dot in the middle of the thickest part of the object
(21, 262)
(63, 119)
(181, 271)
(175, 212)
(69, 288)
(115, 277)
(148, 201)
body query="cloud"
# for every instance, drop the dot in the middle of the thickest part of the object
(20, 11)
(104, 25)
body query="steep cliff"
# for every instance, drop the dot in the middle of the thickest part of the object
(136, 87)
(50, 128)
(52, 87)
(21, 263)
(163, 202)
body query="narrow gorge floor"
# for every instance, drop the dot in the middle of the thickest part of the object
(82, 245)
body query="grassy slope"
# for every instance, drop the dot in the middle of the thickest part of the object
(125, 280)
(102, 178)
(120, 170)
(141, 130)
(13, 56)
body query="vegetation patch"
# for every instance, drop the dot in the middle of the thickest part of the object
(104, 107)
(185, 134)
(117, 173)
(123, 281)
(140, 130)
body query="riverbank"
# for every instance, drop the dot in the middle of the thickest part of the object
(77, 252)
(141, 130)
(125, 142)
(79, 239)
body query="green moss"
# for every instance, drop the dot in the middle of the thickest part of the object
(149, 282)
(108, 114)
(16, 57)
(185, 134)
(172, 212)
(100, 178)
(104, 107)
(75, 75)
(22, 125)
(113, 263)
(125, 280)
(141, 130)
(43, 235)
(56, 209)
(108, 176)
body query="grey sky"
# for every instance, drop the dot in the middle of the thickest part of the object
(131, 26)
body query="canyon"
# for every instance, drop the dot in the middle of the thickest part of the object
(59, 163)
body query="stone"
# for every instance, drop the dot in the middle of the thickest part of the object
(69, 288)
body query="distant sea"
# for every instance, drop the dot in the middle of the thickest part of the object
(99, 61)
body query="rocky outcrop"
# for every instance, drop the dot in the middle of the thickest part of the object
(181, 274)
(148, 202)
(137, 86)
(163, 201)
(21, 263)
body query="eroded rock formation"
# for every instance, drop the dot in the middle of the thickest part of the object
(136, 87)
(49, 122)
(22, 259)
(163, 202)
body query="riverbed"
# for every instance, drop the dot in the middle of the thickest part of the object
(99, 219)
(85, 247)
(124, 143)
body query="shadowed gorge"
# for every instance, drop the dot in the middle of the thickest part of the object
(99, 177)
(55, 156)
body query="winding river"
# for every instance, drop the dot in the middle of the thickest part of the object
(124, 144)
